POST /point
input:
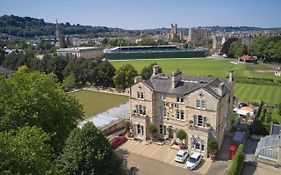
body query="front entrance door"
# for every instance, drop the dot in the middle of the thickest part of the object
(170, 132)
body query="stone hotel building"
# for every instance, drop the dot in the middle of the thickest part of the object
(201, 106)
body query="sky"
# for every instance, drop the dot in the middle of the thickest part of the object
(147, 14)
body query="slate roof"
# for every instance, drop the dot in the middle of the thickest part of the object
(187, 85)
(4, 71)
(275, 129)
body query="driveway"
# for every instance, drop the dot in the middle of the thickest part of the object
(148, 166)
(260, 169)
(160, 153)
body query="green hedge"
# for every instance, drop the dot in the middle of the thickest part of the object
(263, 81)
(237, 162)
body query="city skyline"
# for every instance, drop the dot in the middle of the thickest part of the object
(128, 14)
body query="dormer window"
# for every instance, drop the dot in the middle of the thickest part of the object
(179, 99)
(140, 95)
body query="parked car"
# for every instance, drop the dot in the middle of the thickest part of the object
(181, 156)
(193, 161)
(118, 140)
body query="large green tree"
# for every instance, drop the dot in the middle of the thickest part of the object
(36, 99)
(87, 151)
(124, 76)
(146, 72)
(238, 49)
(27, 151)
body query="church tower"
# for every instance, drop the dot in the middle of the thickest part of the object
(57, 34)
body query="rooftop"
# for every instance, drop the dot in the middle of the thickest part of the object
(185, 85)
(5, 71)
(78, 49)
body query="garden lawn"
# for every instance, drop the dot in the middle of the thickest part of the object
(200, 67)
(252, 92)
(97, 102)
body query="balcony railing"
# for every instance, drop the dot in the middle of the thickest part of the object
(198, 128)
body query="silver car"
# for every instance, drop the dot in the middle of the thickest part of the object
(193, 161)
(181, 156)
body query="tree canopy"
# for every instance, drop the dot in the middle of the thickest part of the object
(124, 76)
(147, 71)
(267, 48)
(237, 49)
(27, 151)
(87, 151)
(35, 99)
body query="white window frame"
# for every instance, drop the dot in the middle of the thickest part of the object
(140, 95)
(201, 104)
(180, 99)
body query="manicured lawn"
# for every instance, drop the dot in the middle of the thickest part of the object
(252, 92)
(201, 67)
(97, 102)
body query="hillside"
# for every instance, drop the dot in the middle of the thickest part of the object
(32, 27)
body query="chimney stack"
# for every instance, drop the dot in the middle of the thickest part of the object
(176, 76)
(220, 88)
(155, 69)
(230, 77)
(137, 79)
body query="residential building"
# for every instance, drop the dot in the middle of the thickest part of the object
(82, 52)
(201, 106)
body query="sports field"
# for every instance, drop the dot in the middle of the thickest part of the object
(202, 67)
(253, 92)
(97, 102)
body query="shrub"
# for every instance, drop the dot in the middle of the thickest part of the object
(212, 145)
(152, 129)
(237, 162)
(258, 128)
(181, 134)
(126, 124)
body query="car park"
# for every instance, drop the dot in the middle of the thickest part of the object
(181, 156)
(118, 140)
(193, 161)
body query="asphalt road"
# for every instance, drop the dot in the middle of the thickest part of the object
(148, 166)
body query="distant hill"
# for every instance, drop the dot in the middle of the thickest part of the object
(28, 27)
(32, 27)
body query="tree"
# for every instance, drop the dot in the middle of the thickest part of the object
(87, 151)
(26, 152)
(237, 49)
(35, 99)
(152, 130)
(181, 134)
(146, 72)
(212, 145)
(124, 76)
(69, 82)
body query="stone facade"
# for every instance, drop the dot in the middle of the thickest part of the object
(174, 34)
(198, 35)
(200, 106)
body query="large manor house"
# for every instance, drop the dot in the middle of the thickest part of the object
(201, 106)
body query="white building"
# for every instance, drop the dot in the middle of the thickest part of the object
(82, 52)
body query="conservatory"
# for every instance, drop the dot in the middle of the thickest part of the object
(269, 150)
